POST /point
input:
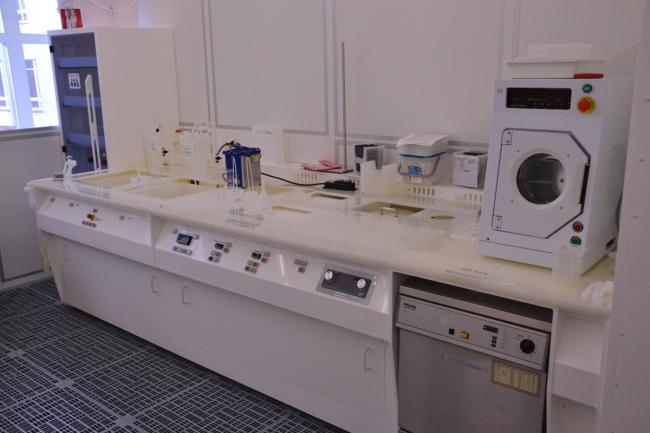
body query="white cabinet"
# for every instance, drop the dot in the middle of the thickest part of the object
(335, 373)
(229, 333)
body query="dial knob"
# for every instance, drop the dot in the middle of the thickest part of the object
(329, 275)
(361, 284)
(527, 346)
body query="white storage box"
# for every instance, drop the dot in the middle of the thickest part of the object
(469, 169)
(420, 154)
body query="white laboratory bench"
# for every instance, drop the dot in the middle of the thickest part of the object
(113, 252)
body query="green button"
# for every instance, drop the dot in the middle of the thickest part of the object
(587, 88)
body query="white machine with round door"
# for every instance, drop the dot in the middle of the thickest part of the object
(555, 169)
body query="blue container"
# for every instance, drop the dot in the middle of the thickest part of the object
(243, 166)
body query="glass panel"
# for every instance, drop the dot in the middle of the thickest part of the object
(2, 23)
(7, 113)
(541, 179)
(37, 16)
(40, 81)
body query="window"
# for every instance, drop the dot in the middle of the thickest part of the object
(32, 80)
(22, 14)
(27, 88)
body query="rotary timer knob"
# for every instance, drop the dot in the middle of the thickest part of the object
(329, 275)
(361, 284)
(527, 346)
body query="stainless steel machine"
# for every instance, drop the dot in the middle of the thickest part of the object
(470, 362)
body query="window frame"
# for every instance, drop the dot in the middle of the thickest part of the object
(13, 39)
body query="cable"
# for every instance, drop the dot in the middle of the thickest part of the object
(292, 182)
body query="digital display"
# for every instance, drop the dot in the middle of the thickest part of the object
(538, 98)
(492, 329)
(184, 239)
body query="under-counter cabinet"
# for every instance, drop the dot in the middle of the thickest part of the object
(330, 371)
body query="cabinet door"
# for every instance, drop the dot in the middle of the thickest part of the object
(121, 292)
(270, 348)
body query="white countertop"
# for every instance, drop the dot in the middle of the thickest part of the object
(443, 250)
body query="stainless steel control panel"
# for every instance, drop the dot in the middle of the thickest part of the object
(353, 285)
(471, 330)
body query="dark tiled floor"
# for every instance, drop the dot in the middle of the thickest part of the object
(64, 371)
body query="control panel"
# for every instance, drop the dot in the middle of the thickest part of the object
(349, 284)
(101, 219)
(490, 334)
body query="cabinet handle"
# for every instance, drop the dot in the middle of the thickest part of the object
(366, 364)
(154, 284)
(184, 299)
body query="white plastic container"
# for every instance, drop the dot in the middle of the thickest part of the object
(469, 169)
(419, 156)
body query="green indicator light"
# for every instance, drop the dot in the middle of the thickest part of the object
(587, 88)
(576, 240)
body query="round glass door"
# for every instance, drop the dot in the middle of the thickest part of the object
(541, 179)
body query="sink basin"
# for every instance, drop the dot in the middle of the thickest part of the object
(110, 180)
(389, 209)
(276, 189)
(170, 190)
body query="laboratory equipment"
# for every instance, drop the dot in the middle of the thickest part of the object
(469, 168)
(68, 166)
(158, 152)
(109, 84)
(470, 362)
(419, 156)
(359, 153)
(555, 173)
(243, 166)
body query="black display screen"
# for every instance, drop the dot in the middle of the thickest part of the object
(184, 239)
(492, 329)
(536, 98)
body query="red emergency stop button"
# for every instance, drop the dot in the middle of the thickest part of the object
(586, 105)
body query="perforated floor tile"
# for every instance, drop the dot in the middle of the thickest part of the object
(46, 287)
(297, 422)
(20, 380)
(21, 301)
(59, 410)
(84, 351)
(131, 386)
(25, 331)
(66, 371)
(214, 406)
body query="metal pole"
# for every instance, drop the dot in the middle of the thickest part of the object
(345, 111)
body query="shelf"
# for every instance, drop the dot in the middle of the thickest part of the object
(81, 139)
(78, 62)
(577, 363)
(80, 101)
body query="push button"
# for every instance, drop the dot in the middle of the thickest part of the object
(464, 335)
(586, 105)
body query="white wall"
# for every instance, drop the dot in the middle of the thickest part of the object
(412, 65)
